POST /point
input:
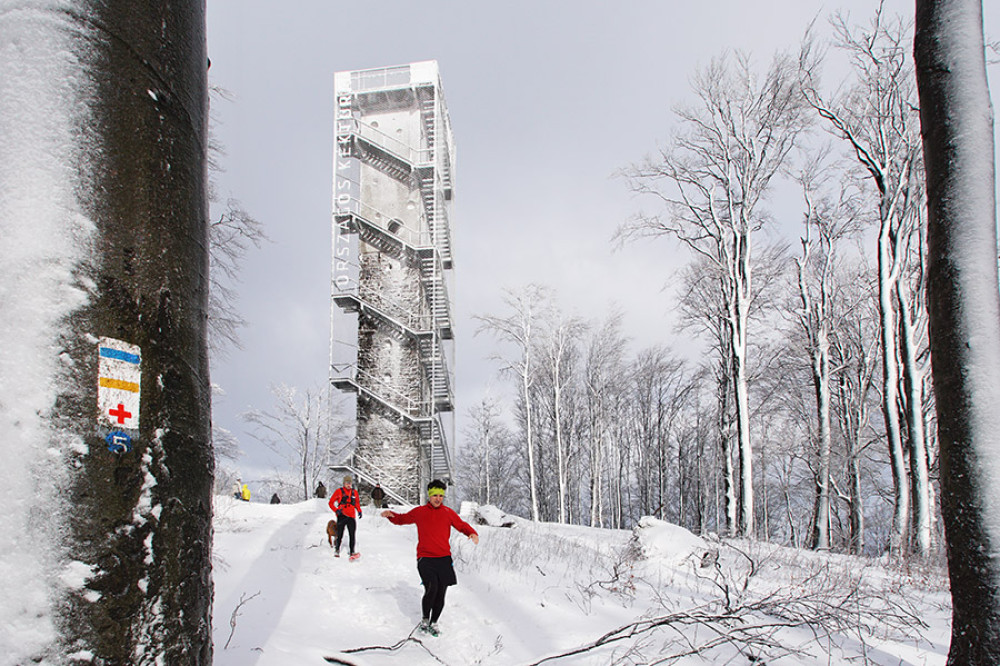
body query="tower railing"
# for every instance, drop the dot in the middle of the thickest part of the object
(416, 157)
(432, 438)
(391, 311)
(385, 223)
(414, 411)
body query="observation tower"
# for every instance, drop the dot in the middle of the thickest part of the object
(391, 326)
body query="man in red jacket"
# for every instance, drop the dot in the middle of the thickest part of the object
(346, 503)
(434, 522)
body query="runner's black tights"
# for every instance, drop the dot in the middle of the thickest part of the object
(433, 601)
(351, 525)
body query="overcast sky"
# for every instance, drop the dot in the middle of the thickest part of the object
(548, 99)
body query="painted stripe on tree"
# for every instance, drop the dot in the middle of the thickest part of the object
(119, 375)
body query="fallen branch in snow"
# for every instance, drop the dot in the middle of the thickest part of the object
(236, 613)
(722, 624)
(393, 648)
(753, 617)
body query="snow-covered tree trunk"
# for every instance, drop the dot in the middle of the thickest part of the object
(730, 507)
(815, 269)
(741, 392)
(814, 321)
(487, 445)
(560, 448)
(103, 234)
(821, 384)
(887, 276)
(529, 432)
(964, 309)
(920, 534)
(596, 473)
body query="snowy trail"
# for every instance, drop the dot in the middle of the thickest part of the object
(340, 605)
(309, 604)
(282, 598)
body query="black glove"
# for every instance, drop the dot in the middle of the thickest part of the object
(359, 514)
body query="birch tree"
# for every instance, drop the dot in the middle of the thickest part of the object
(914, 365)
(560, 337)
(603, 372)
(710, 182)
(519, 329)
(702, 312)
(957, 125)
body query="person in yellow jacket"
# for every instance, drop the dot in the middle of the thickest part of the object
(245, 493)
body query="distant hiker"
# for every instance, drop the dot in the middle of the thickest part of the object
(345, 503)
(377, 496)
(238, 489)
(243, 492)
(434, 521)
(321, 490)
(275, 499)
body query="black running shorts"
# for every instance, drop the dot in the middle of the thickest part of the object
(439, 570)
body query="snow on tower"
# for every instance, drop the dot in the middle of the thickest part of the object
(391, 328)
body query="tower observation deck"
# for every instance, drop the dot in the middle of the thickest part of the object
(391, 325)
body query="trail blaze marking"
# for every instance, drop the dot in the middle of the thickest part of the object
(118, 383)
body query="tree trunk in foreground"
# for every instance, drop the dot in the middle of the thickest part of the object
(964, 312)
(142, 519)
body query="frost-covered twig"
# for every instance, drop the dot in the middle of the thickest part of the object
(236, 612)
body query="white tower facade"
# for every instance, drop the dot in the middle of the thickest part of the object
(391, 326)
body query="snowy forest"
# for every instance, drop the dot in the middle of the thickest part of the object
(807, 416)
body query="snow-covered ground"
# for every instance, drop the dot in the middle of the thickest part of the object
(531, 592)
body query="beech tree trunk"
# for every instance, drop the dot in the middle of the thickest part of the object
(136, 521)
(144, 517)
(920, 541)
(964, 306)
(887, 276)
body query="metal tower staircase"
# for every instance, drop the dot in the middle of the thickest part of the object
(426, 169)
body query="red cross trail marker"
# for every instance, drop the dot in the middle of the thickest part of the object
(120, 413)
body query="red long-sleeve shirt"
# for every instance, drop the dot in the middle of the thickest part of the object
(346, 501)
(433, 528)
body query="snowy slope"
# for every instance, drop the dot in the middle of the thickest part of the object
(536, 591)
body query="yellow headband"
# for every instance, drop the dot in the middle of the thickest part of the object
(435, 491)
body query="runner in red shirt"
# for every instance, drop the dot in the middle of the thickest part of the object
(434, 521)
(347, 504)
